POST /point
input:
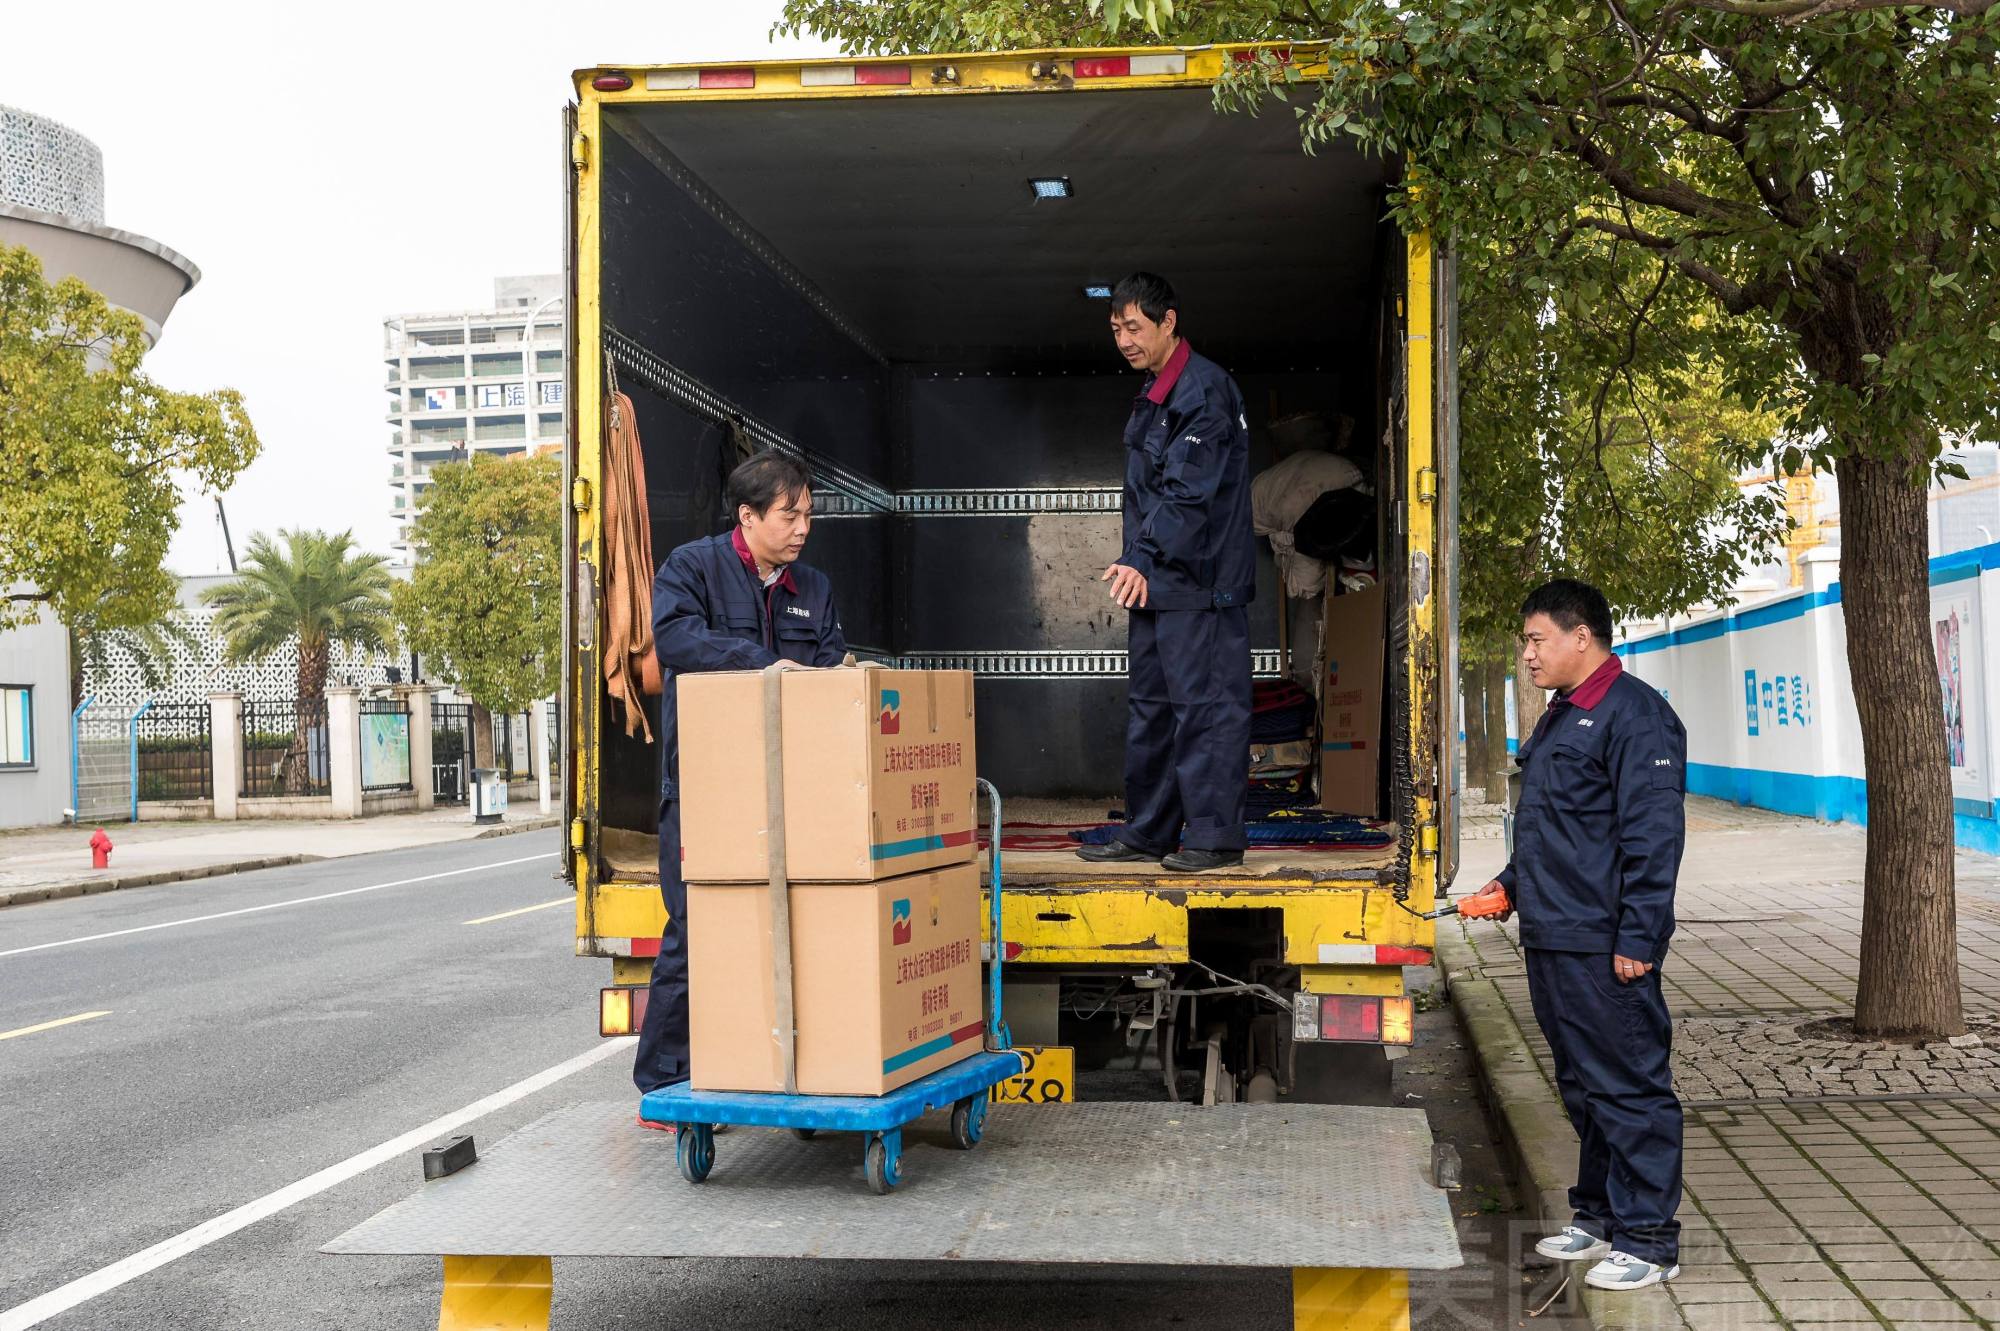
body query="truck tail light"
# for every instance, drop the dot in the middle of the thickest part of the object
(1399, 1021)
(621, 1010)
(1350, 1017)
(1353, 1018)
(1385, 955)
(611, 82)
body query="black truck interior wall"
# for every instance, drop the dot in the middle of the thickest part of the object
(873, 280)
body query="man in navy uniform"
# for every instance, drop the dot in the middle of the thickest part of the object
(1597, 849)
(738, 601)
(1187, 574)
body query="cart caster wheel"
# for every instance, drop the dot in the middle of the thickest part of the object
(695, 1150)
(884, 1170)
(805, 1134)
(968, 1122)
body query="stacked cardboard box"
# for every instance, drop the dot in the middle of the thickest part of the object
(1350, 702)
(880, 831)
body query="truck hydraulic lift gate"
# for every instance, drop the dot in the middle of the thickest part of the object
(1338, 1194)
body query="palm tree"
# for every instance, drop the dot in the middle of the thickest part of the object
(313, 591)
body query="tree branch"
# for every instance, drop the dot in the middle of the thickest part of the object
(1802, 11)
(1673, 195)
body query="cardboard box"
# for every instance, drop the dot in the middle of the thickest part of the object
(1350, 702)
(885, 982)
(878, 774)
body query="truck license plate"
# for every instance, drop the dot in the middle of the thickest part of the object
(1050, 1077)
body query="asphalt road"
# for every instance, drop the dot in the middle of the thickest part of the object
(169, 1055)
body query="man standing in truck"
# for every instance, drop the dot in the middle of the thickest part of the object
(738, 601)
(1597, 852)
(1186, 576)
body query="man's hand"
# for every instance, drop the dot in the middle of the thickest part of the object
(1128, 586)
(1491, 889)
(1628, 970)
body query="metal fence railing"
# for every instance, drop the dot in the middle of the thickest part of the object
(385, 745)
(176, 757)
(451, 751)
(285, 750)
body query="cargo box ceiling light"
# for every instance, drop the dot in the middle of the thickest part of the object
(1050, 187)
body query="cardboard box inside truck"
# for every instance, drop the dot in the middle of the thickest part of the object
(878, 774)
(885, 982)
(1350, 703)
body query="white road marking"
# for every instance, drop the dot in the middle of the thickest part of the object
(51, 1025)
(102, 1281)
(275, 905)
(510, 914)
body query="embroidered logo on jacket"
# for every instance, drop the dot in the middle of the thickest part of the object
(799, 610)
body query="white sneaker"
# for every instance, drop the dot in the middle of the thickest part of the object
(1573, 1245)
(1621, 1270)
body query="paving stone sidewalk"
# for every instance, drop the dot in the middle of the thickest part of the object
(1829, 1184)
(47, 863)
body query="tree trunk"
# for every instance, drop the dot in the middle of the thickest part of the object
(1478, 746)
(1529, 704)
(482, 735)
(308, 710)
(1909, 984)
(1496, 722)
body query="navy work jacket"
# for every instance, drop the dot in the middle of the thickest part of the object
(710, 613)
(1187, 488)
(1602, 821)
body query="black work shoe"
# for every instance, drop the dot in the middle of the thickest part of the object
(1192, 860)
(1113, 852)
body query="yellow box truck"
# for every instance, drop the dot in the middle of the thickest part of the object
(898, 268)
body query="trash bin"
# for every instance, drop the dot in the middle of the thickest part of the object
(489, 795)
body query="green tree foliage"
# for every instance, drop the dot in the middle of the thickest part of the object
(308, 588)
(1816, 187)
(1626, 479)
(94, 456)
(484, 606)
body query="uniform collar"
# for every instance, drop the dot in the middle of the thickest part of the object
(750, 562)
(1169, 375)
(1591, 692)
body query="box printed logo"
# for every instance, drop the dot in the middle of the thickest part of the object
(892, 712)
(899, 922)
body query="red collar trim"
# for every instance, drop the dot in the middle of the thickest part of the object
(1169, 375)
(1591, 692)
(750, 562)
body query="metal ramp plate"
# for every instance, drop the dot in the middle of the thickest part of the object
(1155, 1184)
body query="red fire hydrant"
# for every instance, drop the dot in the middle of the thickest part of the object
(100, 850)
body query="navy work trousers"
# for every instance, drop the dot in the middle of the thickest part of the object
(1611, 1042)
(1187, 739)
(662, 1056)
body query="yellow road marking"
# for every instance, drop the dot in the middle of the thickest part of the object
(510, 914)
(51, 1025)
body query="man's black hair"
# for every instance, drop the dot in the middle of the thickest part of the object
(1153, 294)
(1569, 603)
(767, 478)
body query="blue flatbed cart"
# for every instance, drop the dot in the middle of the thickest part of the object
(964, 1087)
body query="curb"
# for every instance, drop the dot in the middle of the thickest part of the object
(1535, 1130)
(92, 886)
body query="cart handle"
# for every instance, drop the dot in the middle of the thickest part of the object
(996, 1025)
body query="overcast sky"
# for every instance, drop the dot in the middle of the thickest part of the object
(326, 166)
